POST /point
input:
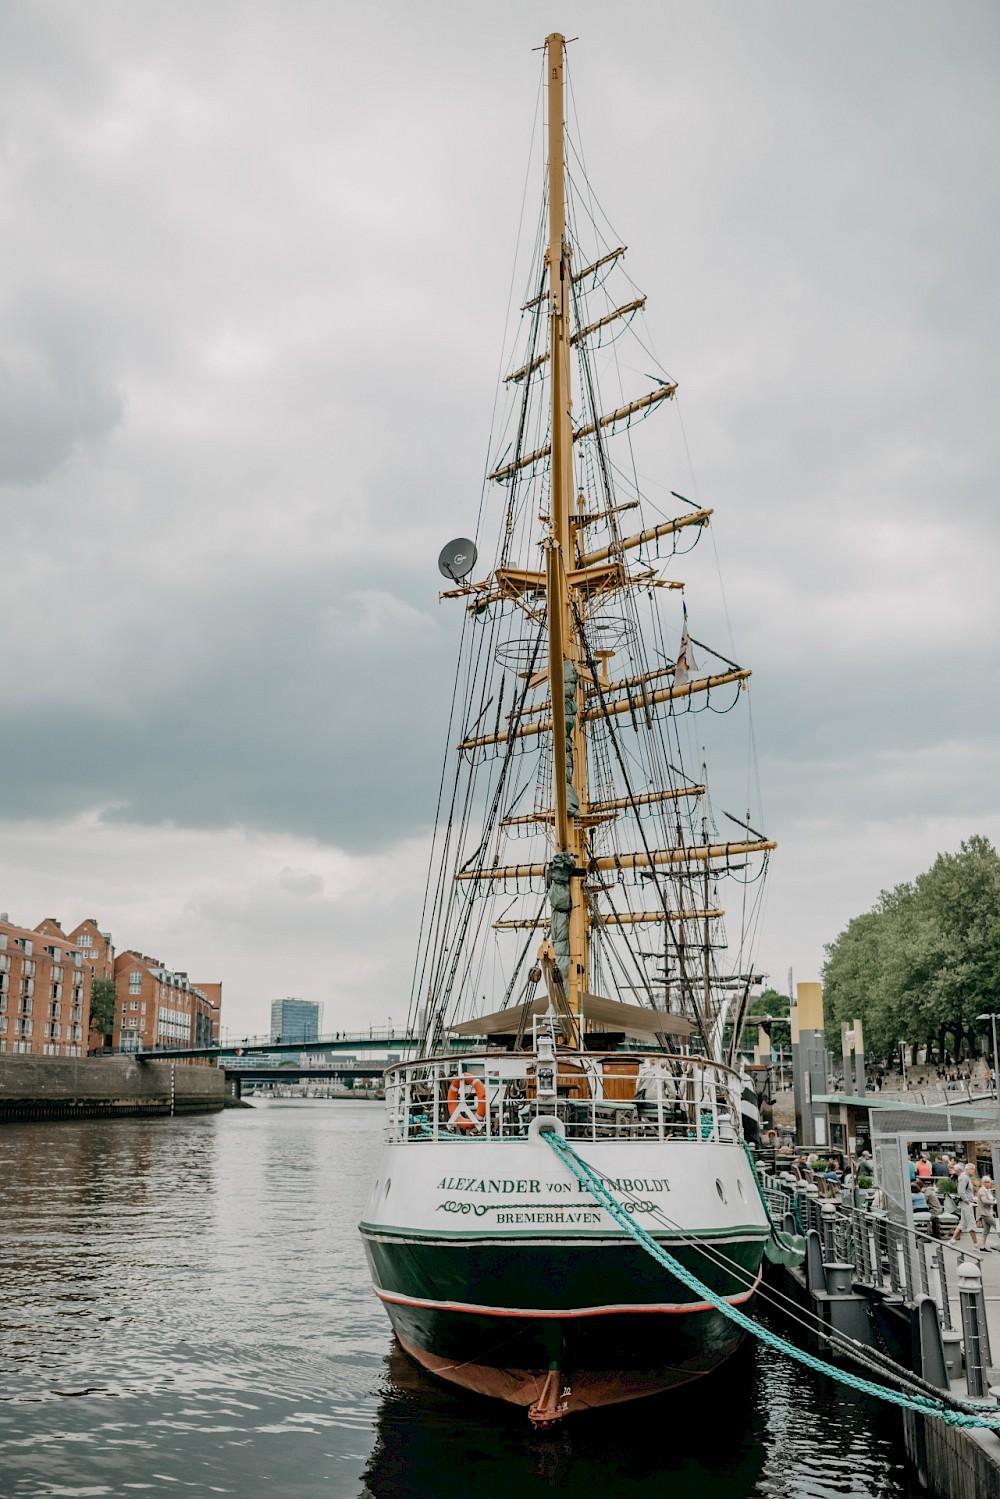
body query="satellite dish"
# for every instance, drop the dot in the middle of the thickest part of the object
(458, 559)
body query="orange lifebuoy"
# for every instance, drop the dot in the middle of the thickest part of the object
(460, 1113)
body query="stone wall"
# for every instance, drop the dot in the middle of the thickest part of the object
(82, 1087)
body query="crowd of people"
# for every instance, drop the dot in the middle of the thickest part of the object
(975, 1199)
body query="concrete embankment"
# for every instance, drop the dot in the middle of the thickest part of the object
(91, 1087)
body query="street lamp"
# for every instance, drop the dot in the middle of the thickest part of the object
(902, 1061)
(991, 1017)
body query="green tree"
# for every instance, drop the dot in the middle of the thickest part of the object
(102, 1006)
(925, 961)
(776, 1005)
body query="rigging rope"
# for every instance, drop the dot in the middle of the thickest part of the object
(961, 1415)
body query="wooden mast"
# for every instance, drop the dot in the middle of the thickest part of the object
(563, 642)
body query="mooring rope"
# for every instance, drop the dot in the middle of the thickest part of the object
(921, 1404)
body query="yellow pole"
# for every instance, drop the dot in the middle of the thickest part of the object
(563, 643)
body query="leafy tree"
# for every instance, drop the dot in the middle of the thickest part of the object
(925, 961)
(102, 1006)
(774, 1004)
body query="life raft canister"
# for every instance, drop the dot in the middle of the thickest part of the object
(460, 1110)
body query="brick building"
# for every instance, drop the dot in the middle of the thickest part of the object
(96, 946)
(156, 1006)
(44, 991)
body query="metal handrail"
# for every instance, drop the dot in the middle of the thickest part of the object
(885, 1255)
(492, 1096)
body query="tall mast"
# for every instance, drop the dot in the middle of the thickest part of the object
(569, 764)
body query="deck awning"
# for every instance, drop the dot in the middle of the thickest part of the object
(607, 1014)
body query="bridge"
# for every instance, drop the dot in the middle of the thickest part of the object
(376, 1039)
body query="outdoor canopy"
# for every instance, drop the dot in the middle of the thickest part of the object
(610, 1014)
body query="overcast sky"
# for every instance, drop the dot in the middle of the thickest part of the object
(255, 269)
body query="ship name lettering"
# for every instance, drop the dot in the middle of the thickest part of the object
(633, 1185)
(502, 1185)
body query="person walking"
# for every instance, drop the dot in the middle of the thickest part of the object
(986, 1207)
(966, 1206)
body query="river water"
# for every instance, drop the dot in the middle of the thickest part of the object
(184, 1308)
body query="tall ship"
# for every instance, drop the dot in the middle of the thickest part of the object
(575, 975)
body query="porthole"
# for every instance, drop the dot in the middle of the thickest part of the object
(739, 1188)
(720, 1189)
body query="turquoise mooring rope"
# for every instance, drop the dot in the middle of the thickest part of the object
(923, 1405)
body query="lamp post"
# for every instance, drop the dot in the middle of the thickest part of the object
(902, 1061)
(991, 1017)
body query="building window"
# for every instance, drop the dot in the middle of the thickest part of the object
(85, 940)
(27, 967)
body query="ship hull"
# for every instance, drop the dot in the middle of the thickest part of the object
(514, 1314)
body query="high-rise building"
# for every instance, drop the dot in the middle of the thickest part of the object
(295, 1020)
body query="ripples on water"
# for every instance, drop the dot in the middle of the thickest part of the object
(184, 1307)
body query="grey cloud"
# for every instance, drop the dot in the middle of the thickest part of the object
(55, 396)
(252, 315)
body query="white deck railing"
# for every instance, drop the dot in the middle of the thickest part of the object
(494, 1096)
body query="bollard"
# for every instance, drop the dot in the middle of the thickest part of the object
(828, 1224)
(974, 1330)
(952, 1345)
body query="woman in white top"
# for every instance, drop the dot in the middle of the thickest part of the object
(986, 1206)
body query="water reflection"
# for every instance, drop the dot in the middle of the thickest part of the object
(759, 1426)
(184, 1306)
(428, 1433)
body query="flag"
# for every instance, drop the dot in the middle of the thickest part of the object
(685, 663)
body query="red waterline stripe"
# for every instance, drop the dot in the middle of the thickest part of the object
(669, 1309)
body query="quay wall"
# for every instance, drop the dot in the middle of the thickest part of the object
(93, 1087)
(952, 1463)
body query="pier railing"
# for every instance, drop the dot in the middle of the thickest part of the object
(596, 1096)
(885, 1256)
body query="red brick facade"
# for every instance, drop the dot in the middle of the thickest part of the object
(156, 1006)
(44, 991)
(45, 985)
